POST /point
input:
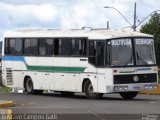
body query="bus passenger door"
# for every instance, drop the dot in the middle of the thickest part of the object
(101, 64)
(100, 54)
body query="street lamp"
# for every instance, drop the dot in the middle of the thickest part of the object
(119, 13)
(147, 17)
(134, 26)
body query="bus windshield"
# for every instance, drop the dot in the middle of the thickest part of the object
(120, 52)
(144, 50)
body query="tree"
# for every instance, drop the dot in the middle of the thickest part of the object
(153, 27)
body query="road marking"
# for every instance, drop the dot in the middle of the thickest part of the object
(22, 105)
(32, 103)
(129, 102)
(152, 102)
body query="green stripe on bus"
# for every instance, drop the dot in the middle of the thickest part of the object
(57, 69)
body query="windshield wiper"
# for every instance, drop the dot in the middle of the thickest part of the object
(140, 58)
(129, 61)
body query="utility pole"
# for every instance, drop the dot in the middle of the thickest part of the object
(134, 23)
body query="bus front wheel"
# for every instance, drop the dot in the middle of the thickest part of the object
(29, 88)
(88, 88)
(128, 95)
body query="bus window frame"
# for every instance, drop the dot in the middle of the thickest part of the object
(86, 44)
(37, 47)
(70, 39)
(96, 64)
(38, 55)
(153, 51)
(134, 58)
(6, 50)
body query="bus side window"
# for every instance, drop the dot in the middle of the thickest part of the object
(78, 47)
(19, 47)
(62, 47)
(27, 44)
(34, 46)
(6, 46)
(92, 52)
(31, 46)
(49, 46)
(75, 47)
(12, 46)
(42, 47)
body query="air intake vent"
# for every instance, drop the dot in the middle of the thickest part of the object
(9, 76)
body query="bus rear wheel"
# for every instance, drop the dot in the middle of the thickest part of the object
(128, 95)
(29, 88)
(88, 88)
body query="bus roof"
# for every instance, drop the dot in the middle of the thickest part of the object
(90, 34)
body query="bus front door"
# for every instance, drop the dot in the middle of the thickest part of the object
(101, 54)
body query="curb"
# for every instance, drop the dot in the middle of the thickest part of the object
(6, 104)
(151, 92)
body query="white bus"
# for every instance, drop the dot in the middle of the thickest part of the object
(94, 61)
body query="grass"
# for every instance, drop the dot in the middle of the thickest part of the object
(4, 89)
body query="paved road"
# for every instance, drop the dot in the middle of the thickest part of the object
(108, 106)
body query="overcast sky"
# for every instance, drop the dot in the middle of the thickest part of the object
(65, 14)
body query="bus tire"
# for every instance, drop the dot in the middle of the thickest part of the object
(128, 95)
(88, 89)
(67, 93)
(29, 88)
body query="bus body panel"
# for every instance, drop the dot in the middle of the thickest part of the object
(63, 73)
(101, 79)
(105, 77)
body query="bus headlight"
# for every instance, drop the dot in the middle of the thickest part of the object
(125, 88)
(155, 87)
(146, 87)
(115, 88)
(150, 87)
(120, 88)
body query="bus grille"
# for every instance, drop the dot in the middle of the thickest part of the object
(129, 79)
(9, 76)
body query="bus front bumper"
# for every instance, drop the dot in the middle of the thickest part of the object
(131, 87)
